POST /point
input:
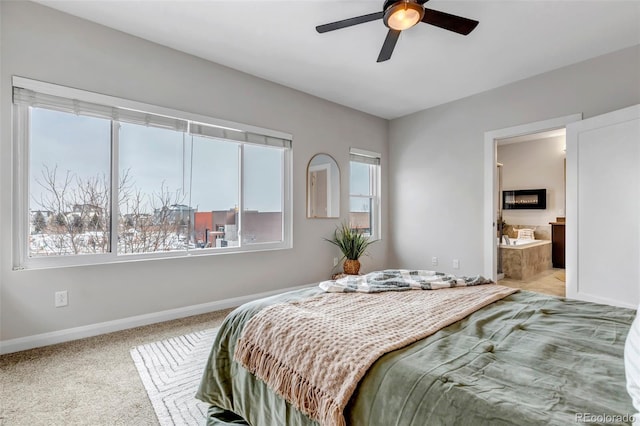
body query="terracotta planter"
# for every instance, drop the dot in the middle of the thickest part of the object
(351, 267)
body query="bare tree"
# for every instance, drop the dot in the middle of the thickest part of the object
(142, 231)
(80, 209)
(58, 238)
(92, 213)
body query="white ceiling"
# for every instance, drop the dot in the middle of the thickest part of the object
(277, 41)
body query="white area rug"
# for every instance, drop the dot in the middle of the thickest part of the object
(171, 371)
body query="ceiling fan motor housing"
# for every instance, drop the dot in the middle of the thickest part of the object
(394, 8)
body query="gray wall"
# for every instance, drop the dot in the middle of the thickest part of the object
(43, 44)
(437, 163)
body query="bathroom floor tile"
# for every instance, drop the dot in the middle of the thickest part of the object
(547, 282)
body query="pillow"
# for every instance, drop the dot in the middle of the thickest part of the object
(525, 234)
(632, 365)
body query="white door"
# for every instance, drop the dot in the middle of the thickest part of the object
(603, 208)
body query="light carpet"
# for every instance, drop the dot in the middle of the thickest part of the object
(171, 371)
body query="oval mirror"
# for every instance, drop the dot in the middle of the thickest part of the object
(323, 187)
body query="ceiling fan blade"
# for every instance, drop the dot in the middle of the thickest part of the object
(389, 45)
(349, 22)
(454, 23)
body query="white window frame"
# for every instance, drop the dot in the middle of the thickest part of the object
(374, 159)
(21, 173)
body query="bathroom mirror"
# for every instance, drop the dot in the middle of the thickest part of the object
(323, 187)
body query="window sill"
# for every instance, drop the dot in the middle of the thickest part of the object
(107, 259)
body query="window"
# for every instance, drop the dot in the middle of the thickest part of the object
(263, 195)
(69, 172)
(101, 180)
(364, 192)
(153, 197)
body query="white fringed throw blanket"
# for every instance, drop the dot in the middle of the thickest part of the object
(313, 352)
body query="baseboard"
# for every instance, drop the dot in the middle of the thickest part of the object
(60, 336)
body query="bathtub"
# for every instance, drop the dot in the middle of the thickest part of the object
(521, 242)
(523, 259)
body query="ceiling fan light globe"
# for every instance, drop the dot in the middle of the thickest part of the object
(403, 15)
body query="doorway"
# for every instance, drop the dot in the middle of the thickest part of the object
(491, 192)
(531, 197)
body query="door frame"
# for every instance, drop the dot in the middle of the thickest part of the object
(490, 248)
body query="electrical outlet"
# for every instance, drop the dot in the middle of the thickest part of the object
(456, 264)
(61, 298)
(434, 261)
(335, 261)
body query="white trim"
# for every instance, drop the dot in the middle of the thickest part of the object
(364, 153)
(490, 196)
(114, 195)
(287, 213)
(60, 336)
(241, 200)
(72, 261)
(20, 187)
(99, 98)
(378, 202)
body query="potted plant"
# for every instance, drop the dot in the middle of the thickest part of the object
(353, 244)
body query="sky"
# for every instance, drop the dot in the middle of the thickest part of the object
(154, 158)
(198, 171)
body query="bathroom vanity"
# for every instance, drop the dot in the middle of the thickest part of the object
(557, 240)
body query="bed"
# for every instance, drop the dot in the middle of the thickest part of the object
(527, 359)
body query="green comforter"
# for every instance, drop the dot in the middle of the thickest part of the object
(528, 359)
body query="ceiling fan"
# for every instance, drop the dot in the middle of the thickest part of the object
(399, 15)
